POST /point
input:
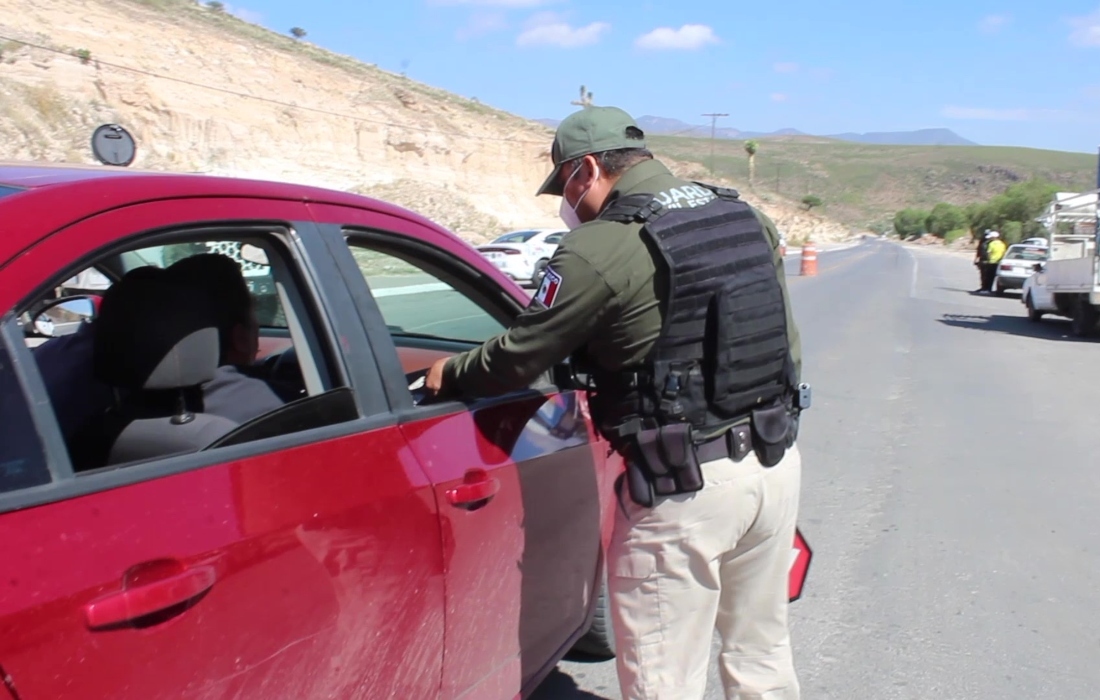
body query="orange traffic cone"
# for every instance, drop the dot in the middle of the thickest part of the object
(809, 260)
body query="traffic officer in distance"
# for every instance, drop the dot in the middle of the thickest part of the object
(671, 296)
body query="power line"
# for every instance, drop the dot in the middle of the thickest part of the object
(713, 122)
(140, 71)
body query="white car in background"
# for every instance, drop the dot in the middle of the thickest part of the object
(522, 255)
(1018, 265)
(1037, 297)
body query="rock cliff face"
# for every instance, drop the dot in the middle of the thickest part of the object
(203, 91)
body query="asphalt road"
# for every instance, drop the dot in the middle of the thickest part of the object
(951, 492)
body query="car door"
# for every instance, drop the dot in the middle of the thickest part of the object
(520, 481)
(300, 564)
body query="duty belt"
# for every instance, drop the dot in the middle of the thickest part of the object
(735, 443)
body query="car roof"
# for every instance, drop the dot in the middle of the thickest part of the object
(59, 194)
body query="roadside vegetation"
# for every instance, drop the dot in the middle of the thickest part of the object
(1012, 213)
(864, 185)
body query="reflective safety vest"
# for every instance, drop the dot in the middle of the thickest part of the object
(996, 250)
(723, 352)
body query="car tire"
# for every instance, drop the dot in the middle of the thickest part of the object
(599, 640)
(1084, 320)
(1033, 314)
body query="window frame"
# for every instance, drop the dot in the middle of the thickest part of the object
(32, 390)
(463, 276)
(319, 292)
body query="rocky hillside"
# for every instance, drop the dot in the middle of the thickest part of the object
(203, 91)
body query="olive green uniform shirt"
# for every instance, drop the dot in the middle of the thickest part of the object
(603, 292)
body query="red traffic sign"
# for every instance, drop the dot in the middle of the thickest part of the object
(801, 554)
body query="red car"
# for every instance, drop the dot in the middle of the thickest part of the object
(354, 543)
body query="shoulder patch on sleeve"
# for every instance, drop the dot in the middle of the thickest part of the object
(548, 290)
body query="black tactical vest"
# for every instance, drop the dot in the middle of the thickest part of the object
(723, 352)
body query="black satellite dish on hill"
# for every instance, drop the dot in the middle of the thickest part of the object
(113, 145)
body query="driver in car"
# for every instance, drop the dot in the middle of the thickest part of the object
(77, 397)
(231, 394)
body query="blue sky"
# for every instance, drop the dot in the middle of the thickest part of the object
(1005, 72)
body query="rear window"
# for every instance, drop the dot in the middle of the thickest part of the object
(5, 190)
(1028, 253)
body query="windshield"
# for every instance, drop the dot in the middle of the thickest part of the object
(5, 190)
(1028, 253)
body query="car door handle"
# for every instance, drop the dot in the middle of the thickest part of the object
(476, 490)
(149, 598)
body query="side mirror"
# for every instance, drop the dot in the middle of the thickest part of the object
(63, 316)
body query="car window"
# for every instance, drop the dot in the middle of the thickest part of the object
(417, 303)
(258, 370)
(554, 238)
(6, 190)
(516, 237)
(269, 312)
(1035, 253)
(22, 457)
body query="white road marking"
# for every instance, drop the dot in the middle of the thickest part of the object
(411, 289)
(798, 253)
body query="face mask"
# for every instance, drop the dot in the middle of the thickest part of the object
(567, 211)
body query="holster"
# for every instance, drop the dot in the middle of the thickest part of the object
(773, 432)
(663, 463)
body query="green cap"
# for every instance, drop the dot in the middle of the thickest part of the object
(591, 130)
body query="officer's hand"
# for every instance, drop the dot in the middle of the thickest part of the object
(434, 381)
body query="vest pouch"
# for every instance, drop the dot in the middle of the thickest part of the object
(666, 457)
(771, 433)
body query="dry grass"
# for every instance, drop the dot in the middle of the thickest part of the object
(229, 23)
(865, 184)
(48, 103)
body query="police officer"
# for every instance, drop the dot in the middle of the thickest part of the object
(990, 252)
(671, 296)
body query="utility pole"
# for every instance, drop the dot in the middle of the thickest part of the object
(713, 121)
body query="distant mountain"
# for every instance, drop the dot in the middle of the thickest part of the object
(921, 137)
(668, 127)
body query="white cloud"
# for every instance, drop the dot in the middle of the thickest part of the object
(687, 38)
(786, 67)
(481, 23)
(549, 29)
(1008, 115)
(779, 97)
(1086, 30)
(991, 24)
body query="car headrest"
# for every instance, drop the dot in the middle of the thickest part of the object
(154, 332)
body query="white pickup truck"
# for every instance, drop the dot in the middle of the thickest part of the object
(1068, 283)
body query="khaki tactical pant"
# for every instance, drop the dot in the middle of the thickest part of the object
(715, 559)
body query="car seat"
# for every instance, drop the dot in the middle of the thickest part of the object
(156, 343)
